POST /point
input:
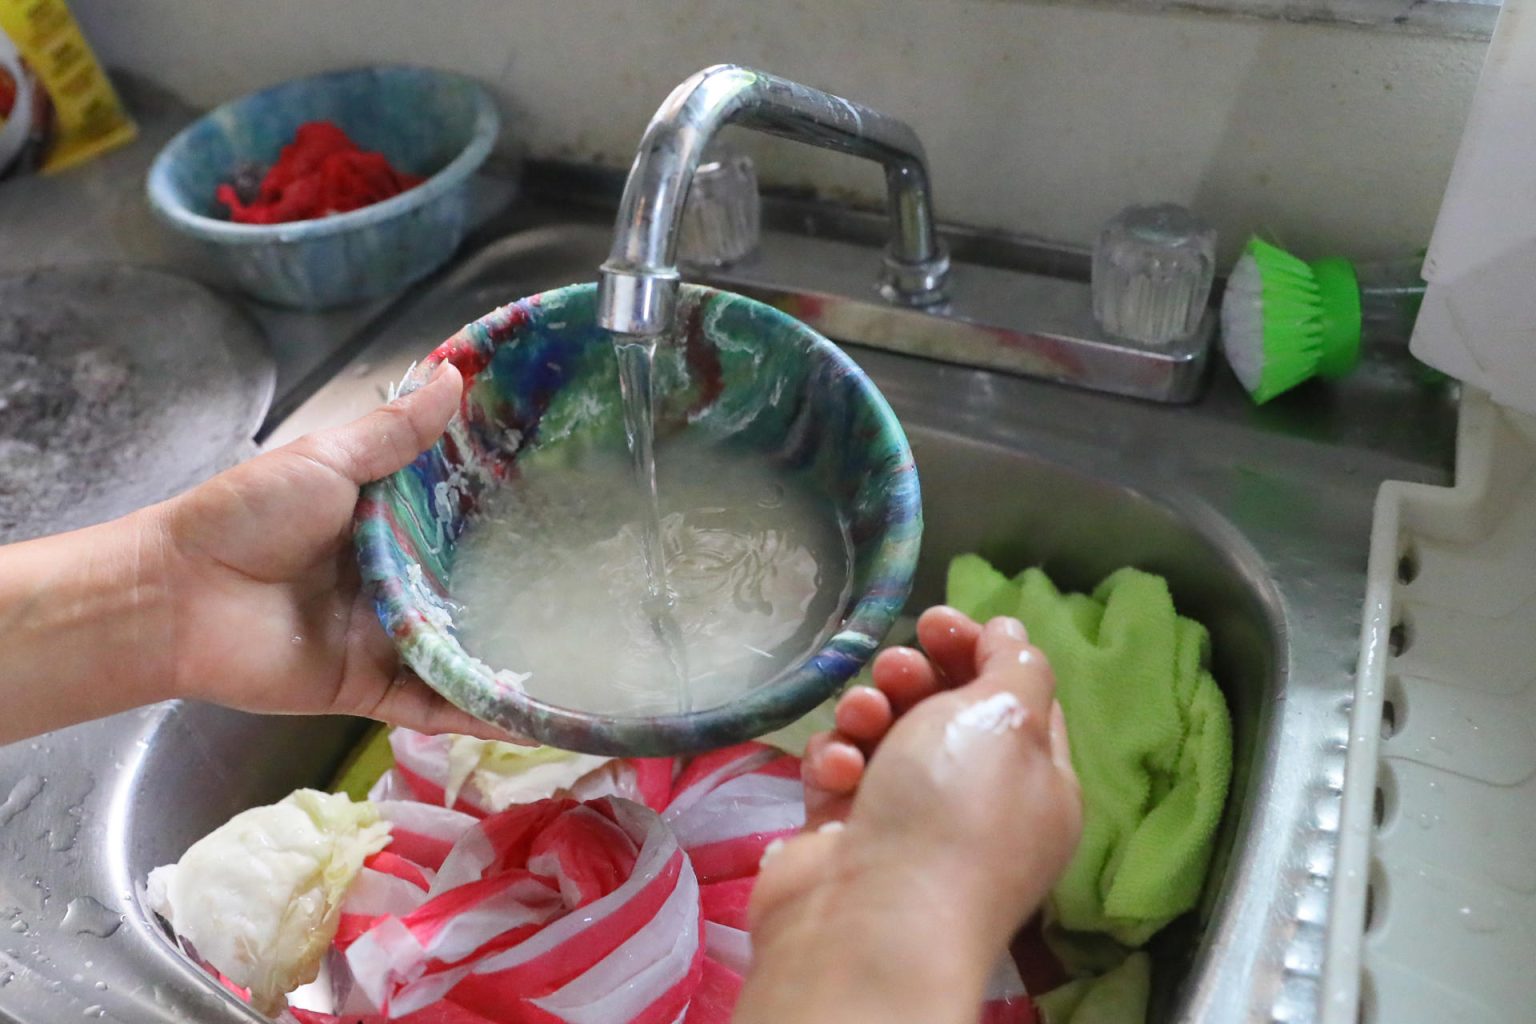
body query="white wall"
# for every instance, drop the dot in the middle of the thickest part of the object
(1044, 119)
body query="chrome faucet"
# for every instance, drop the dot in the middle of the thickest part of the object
(637, 291)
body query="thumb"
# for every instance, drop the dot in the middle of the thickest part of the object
(389, 438)
(1007, 660)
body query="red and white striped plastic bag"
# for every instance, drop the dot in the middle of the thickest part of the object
(423, 833)
(500, 934)
(629, 907)
(728, 805)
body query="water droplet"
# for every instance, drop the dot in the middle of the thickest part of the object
(296, 638)
(87, 916)
(19, 926)
(77, 978)
(100, 986)
(6, 979)
(95, 1011)
(21, 797)
(62, 838)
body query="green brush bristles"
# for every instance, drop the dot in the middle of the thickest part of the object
(1284, 320)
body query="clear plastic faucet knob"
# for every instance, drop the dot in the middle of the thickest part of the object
(1152, 273)
(722, 216)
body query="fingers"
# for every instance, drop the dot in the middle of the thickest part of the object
(831, 771)
(1006, 660)
(997, 635)
(412, 703)
(832, 764)
(389, 438)
(905, 677)
(863, 715)
(949, 637)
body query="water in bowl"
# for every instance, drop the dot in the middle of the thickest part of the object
(551, 578)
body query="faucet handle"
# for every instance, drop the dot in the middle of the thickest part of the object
(1152, 272)
(722, 218)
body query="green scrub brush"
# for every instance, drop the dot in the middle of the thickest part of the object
(1284, 320)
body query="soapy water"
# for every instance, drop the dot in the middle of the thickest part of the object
(550, 578)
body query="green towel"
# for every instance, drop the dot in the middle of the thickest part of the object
(1114, 998)
(1151, 742)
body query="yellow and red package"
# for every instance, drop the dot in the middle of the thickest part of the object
(57, 107)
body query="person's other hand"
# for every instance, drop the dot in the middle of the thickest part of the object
(940, 811)
(953, 769)
(265, 605)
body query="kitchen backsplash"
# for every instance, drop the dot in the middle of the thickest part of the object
(1037, 118)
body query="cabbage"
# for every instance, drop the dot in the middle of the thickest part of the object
(503, 774)
(260, 897)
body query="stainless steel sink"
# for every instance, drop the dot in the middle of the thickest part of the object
(1259, 520)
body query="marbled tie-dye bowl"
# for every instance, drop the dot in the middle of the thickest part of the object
(435, 124)
(540, 375)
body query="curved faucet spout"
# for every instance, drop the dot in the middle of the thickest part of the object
(637, 291)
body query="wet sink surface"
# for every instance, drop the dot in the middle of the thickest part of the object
(1259, 523)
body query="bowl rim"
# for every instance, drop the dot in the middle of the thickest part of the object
(163, 198)
(869, 616)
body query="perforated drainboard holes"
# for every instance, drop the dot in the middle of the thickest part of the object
(1384, 801)
(1408, 565)
(1376, 896)
(1401, 635)
(1394, 707)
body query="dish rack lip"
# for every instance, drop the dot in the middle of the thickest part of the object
(1475, 481)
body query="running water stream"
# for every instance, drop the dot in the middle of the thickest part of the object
(637, 363)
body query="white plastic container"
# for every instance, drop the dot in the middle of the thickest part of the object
(1434, 914)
